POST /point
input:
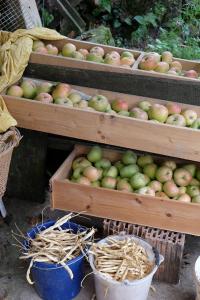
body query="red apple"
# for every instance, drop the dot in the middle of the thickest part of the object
(170, 188)
(91, 173)
(148, 63)
(119, 105)
(84, 52)
(191, 74)
(173, 108)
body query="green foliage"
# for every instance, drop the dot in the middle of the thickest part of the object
(47, 18)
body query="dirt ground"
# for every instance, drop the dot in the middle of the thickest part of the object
(13, 285)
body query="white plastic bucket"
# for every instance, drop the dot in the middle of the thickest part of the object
(197, 277)
(109, 289)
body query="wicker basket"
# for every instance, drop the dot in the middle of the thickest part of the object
(8, 141)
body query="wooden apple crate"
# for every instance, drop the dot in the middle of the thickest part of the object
(68, 62)
(169, 244)
(105, 128)
(81, 64)
(127, 207)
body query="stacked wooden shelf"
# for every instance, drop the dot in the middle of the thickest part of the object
(118, 131)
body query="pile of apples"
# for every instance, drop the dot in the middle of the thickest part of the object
(164, 63)
(62, 93)
(139, 175)
(96, 54)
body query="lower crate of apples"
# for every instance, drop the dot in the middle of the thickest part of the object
(143, 189)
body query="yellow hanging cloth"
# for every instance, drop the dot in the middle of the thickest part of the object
(15, 50)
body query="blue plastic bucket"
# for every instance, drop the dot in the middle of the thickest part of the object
(52, 281)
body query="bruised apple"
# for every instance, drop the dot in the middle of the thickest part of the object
(146, 191)
(112, 59)
(77, 55)
(161, 195)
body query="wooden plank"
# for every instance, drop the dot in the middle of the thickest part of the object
(128, 207)
(185, 91)
(108, 129)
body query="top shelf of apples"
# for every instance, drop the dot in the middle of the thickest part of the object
(152, 61)
(63, 94)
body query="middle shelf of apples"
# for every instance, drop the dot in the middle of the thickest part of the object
(128, 121)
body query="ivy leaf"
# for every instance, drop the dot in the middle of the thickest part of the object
(140, 20)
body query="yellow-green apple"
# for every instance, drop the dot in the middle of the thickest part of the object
(83, 180)
(172, 71)
(41, 50)
(114, 53)
(68, 49)
(155, 55)
(75, 97)
(77, 55)
(190, 116)
(196, 124)
(146, 191)
(82, 104)
(84, 52)
(129, 157)
(138, 113)
(158, 112)
(91, 173)
(148, 63)
(176, 120)
(60, 93)
(176, 65)
(109, 182)
(15, 91)
(29, 88)
(96, 183)
(182, 190)
(98, 102)
(44, 87)
(155, 185)
(104, 163)
(150, 170)
(167, 57)
(144, 105)
(170, 189)
(112, 59)
(184, 198)
(161, 195)
(196, 199)
(173, 108)
(119, 105)
(191, 74)
(182, 177)
(111, 172)
(191, 168)
(164, 174)
(68, 103)
(94, 57)
(144, 160)
(162, 67)
(81, 162)
(147, 179)
(95, 154)
(37, 44)
(127, 58)
(138, 181)
(44, 97)
(53, 50)
(193, 190)
(194, 181)
(170, 164)
(129, 170)
(77, 173)
(124, 113)
(97, 50)
(119, 165)
(60, 101)
(123, 185)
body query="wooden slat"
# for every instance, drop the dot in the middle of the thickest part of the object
(127, 207)
(108, 129)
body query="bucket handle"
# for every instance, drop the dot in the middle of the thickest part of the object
(157, 256)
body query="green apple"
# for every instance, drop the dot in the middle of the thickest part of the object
(158, 112)
(109, 182)
(103, 163)
(170, 164)
(75, 97)
(144, 105)
(193, 190)
(96, 183)
(155, 185)
(164, 174)
(124, 113)
(146, 191)
(150, 170)
(94, 57)
(81, 162)
(68, 49)
(138, 181)
(83, 180)
(77, 172)
(144, 160)
(182, 177)
(198, 174)
(190, 116)
(129, 157)
(99, 103)
(123, 185)
(129, 170)
(29, 88)
(111, 172)
(196, 124)
(194, 181)
(191, 168)
(95, 154)
(119, 165)
(196, 199)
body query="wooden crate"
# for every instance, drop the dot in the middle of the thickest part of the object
(68, 62)
(169, 244)
(113, 204)
(108, 129)
(82, 64)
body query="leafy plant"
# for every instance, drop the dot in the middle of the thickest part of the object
(47, 18)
